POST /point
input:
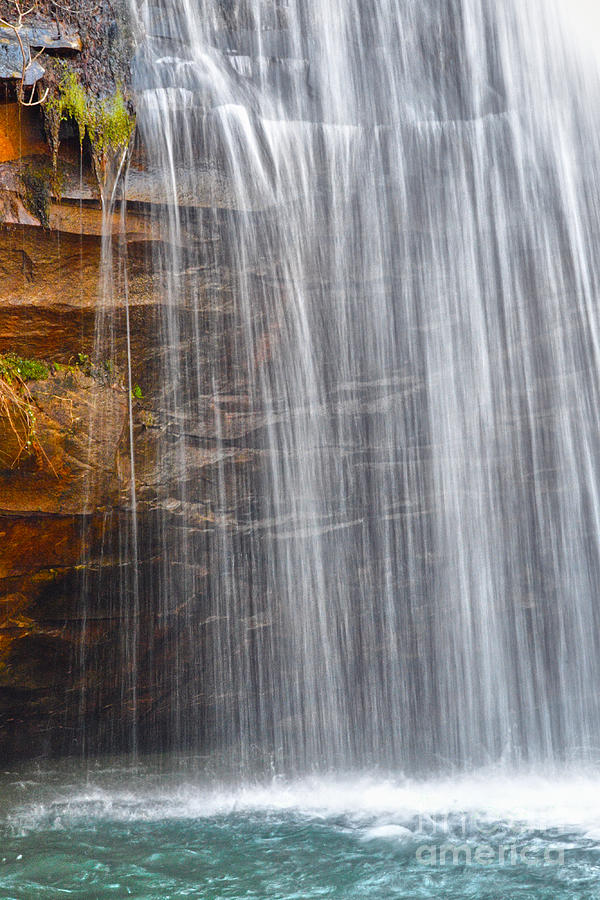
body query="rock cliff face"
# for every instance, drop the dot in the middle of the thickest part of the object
(65, 472)
(66, 486)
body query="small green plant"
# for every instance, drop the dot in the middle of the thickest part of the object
(84, 363)
(61, 368)
(147, 419)
(136, 392)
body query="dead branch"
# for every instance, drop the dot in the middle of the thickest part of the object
(17, 407)
(16, 27)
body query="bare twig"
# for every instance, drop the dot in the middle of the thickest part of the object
(27, 59)
(17, 407)
(62, 6)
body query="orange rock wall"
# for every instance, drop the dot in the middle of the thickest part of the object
(21, 133)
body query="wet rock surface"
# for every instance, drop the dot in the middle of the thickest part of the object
(66, 525)
(95, 37)
(65, 512)
(65, 501)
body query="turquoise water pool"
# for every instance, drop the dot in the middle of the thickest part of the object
(136, 833)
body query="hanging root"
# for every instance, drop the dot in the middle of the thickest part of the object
(18, 409)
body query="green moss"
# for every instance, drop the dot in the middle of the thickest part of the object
(105, 372)
(15, 368)
(84, 363)
(63, 369)
(110, 125)
(107, 123)
(70, 100)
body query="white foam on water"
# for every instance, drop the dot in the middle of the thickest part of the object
(378, 808)
(387, 832)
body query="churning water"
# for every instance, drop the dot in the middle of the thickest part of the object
(128, 832)
(121, 832)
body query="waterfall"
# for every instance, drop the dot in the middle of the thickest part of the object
(377, 510)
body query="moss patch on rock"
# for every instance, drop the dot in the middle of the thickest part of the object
(15, 370)
(106, 123)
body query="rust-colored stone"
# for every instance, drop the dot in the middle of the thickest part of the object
(21, 132)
